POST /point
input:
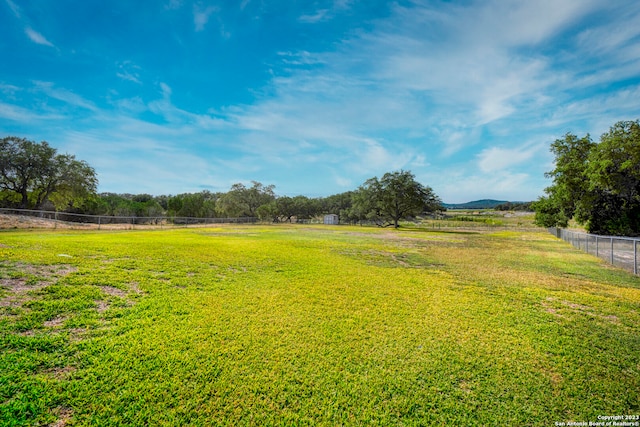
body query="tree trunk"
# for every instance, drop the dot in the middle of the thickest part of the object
(25, 199)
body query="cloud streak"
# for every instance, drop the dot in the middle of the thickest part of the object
(37, 38)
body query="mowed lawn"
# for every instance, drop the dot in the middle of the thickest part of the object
(312, 325)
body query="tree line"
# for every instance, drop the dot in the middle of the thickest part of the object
(515, 206)
(34, 176)
(595, 184)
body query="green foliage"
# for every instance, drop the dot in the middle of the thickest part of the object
(35, 173)
(614, 177)
(285, 208)
(196, 205)
(305, 207)
(396, 196)
(269, 212)
(243, 201)
(514, 206)
(337, 203)
(549, 213)
(596, 184)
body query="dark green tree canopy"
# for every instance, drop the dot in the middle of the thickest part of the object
(396, 196)
(597, 184)
(245, 201)
(34, 173)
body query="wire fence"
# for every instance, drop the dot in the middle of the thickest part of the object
(619, 251)
(446, 224)
(74, 220)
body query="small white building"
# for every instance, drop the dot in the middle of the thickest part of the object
(331, 219)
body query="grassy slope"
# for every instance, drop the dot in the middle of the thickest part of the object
(313, 326)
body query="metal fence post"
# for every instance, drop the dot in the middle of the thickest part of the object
(624, 252)
(611, 250)
(586, 243)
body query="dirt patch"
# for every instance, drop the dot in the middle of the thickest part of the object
(77, 334)
(102, 306)
(16, 291)
(55, 322)
(577, 307)
(19, 221)
(379, 258)
(113, 291)
(611, 318)
(552, 310)
(44, 272)
(33, 278)
(60, 373)
(8, 221)
(135, 288)
(561, 309)
(18, 285)
(64, 417)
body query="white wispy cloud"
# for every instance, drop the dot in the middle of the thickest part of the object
(14, 8)
(441, 76)
(64, 95)
(462, 186)
(318, 16)
(129, 71)
(9, 91)
(23, 115)
(37, 38)
(166, 90)
(130, 106)
(300, 58)
(494, 159)
(32, 34)
(612, 39)
(325, 14)
(135, 157)
(461, 61)
(201, 15)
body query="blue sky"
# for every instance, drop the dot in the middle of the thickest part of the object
(315, 97)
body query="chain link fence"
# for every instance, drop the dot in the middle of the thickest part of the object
(80, 220)
(619, 251)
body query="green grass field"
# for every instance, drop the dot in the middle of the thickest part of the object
(312, 325)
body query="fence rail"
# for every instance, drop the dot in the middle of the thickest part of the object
(100, 220)
(619, 251)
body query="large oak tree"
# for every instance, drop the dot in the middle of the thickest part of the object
(245, 201)
(35, 173)
(396, 196)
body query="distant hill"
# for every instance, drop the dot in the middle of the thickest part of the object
(476, 204)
